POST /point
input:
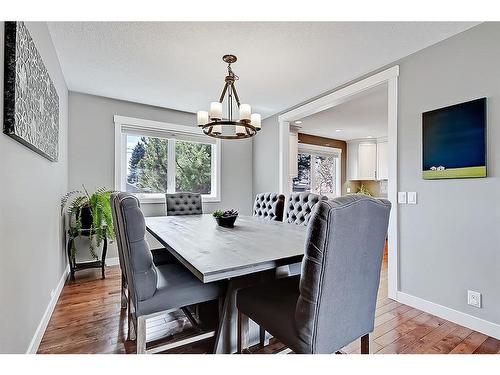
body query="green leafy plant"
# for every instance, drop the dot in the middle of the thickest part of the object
(101, 225)
(228, 213)
(218, 213)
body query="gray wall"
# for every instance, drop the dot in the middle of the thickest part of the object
(265, 157)
(449, 241)
(91, 151)
(32, 257)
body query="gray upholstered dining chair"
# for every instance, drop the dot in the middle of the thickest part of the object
(183, 204)
(153, 290)
(332, 302)
(177, 204)
(299, 210)
(300, 206)
(160, 257)
(269, 206)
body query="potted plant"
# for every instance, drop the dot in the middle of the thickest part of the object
(225, 218)
(90, 215)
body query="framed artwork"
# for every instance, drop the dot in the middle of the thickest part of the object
(454, 141)
(31, 103)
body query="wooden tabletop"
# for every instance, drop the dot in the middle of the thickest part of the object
(215, 253)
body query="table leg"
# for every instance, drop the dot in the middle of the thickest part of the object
(226, 339)
(224, 311)
(103, 257)
(70, 261)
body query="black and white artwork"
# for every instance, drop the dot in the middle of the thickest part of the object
(31, 103)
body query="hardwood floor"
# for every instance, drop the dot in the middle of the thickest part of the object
(88, 319)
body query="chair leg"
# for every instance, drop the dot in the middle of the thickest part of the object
(131, 326)
(242, 332)
(191, 318)
(141, 335)
(365, 344)
(263, 340)
(124, 294)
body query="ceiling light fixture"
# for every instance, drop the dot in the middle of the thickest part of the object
(298, 122)
(338, 130)
(213, 123)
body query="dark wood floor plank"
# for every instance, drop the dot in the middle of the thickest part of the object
(409, 338)
(423, 344)
(470, 343)
(489, 346)
(401, 329)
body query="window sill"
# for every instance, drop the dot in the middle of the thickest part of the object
(161, 200)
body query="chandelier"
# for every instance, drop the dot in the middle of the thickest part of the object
(215, 125)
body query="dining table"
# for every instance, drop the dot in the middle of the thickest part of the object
(247, 254)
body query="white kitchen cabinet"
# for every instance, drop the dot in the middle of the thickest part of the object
(367, 159)
(382, 161)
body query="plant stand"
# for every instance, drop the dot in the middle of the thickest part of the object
(74, 266)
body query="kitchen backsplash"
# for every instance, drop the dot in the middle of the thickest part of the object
(376, 188)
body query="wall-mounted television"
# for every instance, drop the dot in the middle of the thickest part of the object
(454, 141)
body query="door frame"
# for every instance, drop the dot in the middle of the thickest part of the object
(389, 77)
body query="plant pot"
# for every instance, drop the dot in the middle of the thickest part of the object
(226, 221)
(86, 217)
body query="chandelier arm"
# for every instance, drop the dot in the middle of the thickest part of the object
(221, 99)
(230, 103)
(235, 94)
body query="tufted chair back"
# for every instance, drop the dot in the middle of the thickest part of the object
(269, 206)
(341, 271)
(300, 206)
(133, 250)
(183, 204)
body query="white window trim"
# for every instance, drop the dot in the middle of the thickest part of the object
(123, 122)
(305, 148)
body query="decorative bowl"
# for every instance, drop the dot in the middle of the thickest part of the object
(226, 221)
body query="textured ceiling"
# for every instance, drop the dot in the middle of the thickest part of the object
(178, 64)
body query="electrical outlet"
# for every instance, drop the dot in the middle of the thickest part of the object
(474, 298)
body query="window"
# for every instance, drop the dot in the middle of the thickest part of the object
(157, 158)
(318, 170)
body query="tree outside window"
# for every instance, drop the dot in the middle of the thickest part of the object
(316, 174)
(148, 163)
(193, 167)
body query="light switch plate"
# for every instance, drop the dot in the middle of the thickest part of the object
(412, 197)
(402, 197)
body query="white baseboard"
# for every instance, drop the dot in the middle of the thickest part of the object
(42, 326)
(455, 316)
(112, 261)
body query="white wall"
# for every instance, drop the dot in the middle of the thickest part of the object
(449, 241)
(32, 257)
(91, 151)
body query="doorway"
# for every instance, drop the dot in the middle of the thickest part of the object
(389, 78)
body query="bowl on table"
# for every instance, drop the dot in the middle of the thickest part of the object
(225, 219)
